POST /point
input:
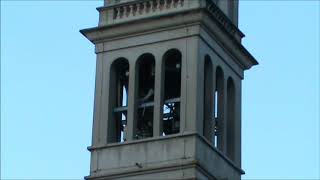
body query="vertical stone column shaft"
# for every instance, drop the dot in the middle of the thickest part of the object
(132, 100)
(97, 101)
(237, 138)
(158, 96)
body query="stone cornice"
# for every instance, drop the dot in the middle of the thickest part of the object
(223, 20)
(168, 21)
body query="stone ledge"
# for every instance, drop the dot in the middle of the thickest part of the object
(152, 154)
(230, 162)
(160, 138)
(145, 171)
(153, 173)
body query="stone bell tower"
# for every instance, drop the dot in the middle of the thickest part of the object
(168, 90)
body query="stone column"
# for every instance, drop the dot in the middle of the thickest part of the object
(237, 137)
(189, 85)
(158, 95)
(132, 100)
(97, 101)
(104, 107)
(224, 129)
(209, 89)
(222, 102)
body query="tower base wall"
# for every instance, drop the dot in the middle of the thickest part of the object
(187, 156)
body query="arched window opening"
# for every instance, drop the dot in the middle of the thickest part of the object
(215, 127)
(208, 96)
(119, 82)
(172, 92)
(146, 78)
(216, 103)
(218, 107)
(230, 118)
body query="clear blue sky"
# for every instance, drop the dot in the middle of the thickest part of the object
(47, 83)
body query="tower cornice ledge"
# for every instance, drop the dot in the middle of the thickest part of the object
(202, 17)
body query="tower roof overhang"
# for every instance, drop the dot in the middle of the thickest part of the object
(208, 17)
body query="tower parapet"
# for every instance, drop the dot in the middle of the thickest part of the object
(229, 7)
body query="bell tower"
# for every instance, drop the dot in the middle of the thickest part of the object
(167, 99)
